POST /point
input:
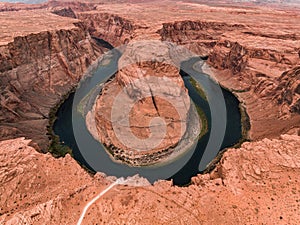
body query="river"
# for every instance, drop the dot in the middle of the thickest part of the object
(180, 170)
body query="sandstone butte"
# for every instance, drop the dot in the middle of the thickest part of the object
(253, 51)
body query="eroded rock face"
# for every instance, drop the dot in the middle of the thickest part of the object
(199, 36)
(267, 75)
(146, 87)
(289, 90)
(65, 12)
(251, 60)
(38, 69)
(112, 28)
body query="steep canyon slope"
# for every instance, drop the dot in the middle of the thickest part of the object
(42, 57)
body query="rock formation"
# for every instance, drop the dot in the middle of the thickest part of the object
(38, 67)
(113, 28)
(289, 90)
(66, 12)
(251, 60)
(257, 183)
(146, 87)
(34, 187)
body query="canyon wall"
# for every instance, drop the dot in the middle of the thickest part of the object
(111, 28)
(288, 90)
(37, 70)
(198, 36)
(264, 77)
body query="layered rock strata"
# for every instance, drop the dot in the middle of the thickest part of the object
(37, 68)
(256, 72)
(113, 28)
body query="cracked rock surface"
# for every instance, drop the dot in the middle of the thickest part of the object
(257, 183)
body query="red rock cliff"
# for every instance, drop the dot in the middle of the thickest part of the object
(37, 69)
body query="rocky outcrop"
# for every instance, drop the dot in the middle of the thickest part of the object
(288, 90)
(109, 27)
(147, 86)
(66, 12)
(259, 73)
(257, 183)
(36, 71)
(267, 72)
(229, 55)
(198, 36)
(35, 187)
